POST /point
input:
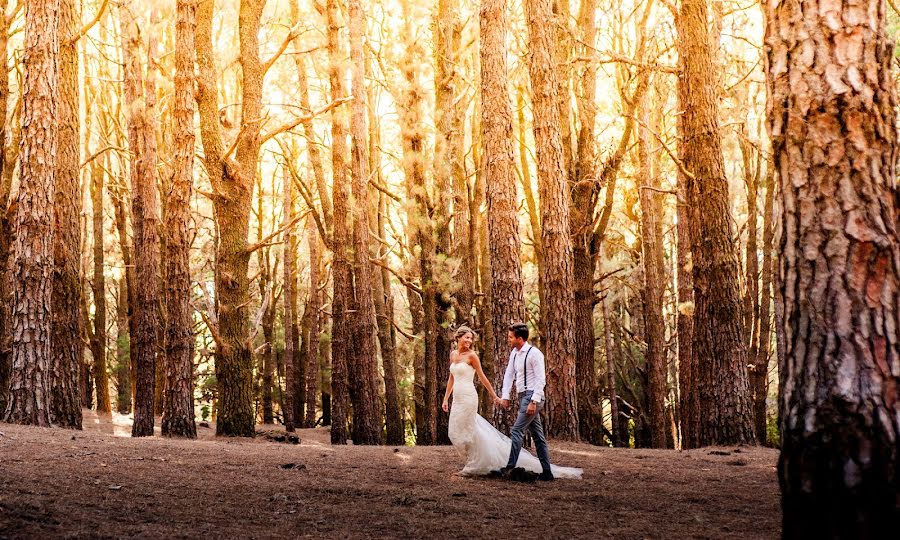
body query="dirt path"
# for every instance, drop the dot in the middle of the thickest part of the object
(102, 483)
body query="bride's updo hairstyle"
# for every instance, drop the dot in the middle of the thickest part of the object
(463, 330)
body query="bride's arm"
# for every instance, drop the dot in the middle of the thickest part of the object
(446, 405)
(476, 363)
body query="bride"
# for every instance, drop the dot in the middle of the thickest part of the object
(485, 448)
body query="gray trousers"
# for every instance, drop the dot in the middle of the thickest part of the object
(532, 423)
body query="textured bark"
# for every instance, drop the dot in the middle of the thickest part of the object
(232, 182)
(66, 348)
(507, 301)
(759, 375)
(719, 344)
(654, 285)
(584, 249)
(291, 331)
(98, 287)
(145, 223)
(832, 121)
(6, 233)
(557, 304)
(341, 350)
(368, 406)
(266, 365)
(29, 398)
(313, 306)
(178, 401)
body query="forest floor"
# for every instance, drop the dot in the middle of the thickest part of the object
(100, 483)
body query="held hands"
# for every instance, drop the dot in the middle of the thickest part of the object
(502, 403)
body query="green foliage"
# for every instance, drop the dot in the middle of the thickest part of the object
(773, 436)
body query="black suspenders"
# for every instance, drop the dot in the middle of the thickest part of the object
(525, 369)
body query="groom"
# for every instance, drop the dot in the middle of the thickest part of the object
(526, 366)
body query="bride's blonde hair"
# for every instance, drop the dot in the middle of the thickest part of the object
(463, 330)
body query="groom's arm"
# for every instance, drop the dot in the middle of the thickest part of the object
(508, 378)
(540, 377)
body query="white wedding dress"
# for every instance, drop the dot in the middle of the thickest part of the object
(484, 448)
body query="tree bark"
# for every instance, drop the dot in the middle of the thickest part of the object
(557, 305)
(98, 287)
(145, 222)
(341, 350)
(507, 300)
(6, 232)
(832, 121)
(178, 401)
(611, 378)
(292, 376)
(654, 284)
(313, 306)
(719, 344)
(123, 353)
(759, 374)
(29, 399)
(368, 406)
(66, 348)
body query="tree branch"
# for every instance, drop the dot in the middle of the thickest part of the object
(87, 27)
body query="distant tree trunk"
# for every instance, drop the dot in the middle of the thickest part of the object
(617, 439)
(66, 349)
(341, 350)
(123, 353)
(291, 331)
(368, 407)
(381, 290)
(145, 223)
(654, 284)
(534, 218)
(557, 305)
(178, 403)
(507, 300)
(29, 398)
(313, 306)
(719, 344)
(98, 287)
(759, 374)
(835, 145)
(118, 198)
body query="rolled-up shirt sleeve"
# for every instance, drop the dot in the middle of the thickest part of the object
(509, 376)
(536, 359)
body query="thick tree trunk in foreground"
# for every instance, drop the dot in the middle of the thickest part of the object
(66, 348)
(719, 344)
(557, 304)
(29, 398)
(178, 401)
(689, 398)
(832, 122)
(507, 301)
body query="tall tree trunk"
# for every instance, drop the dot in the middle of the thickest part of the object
(719, 345)
(118, 198)
(313, 306)
(507, 300)
(291, 332)
(654, 284)
(341, 351)
(98, 287)
(123, 352)
(368, 407)
(557, 305)
(29, 399)
(145, 222)
(66, 349)
(232, 183)
(835, 146)
(6, 232)
(759, 374)
(178, 403)
(617, 440)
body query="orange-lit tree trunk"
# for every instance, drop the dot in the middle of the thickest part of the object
(178, 401)
(507, 301)
(832, 119)
(557, 305)
(719, 342)
(30, 324)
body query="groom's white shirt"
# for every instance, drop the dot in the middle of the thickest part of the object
(516, 369)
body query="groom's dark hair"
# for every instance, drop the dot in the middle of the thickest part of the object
(519, 330)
